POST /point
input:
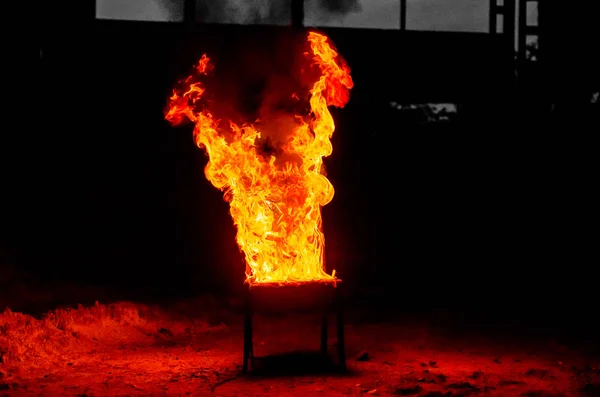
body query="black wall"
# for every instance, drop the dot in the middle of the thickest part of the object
(102, 190)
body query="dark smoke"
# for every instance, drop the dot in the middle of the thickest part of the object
(340, 6)
(173, 7)
(263, 80)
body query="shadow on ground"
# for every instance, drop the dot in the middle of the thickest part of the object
(298, 363)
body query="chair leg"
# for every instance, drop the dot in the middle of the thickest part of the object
(324, 333)
(247, 341)
(251, 338)
(341, 341)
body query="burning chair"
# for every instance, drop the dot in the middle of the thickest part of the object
(303, 298)
(276, 194)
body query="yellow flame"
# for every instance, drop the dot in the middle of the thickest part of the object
(275, 205)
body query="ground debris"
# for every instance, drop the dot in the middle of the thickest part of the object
(541, 393)
(407, 391)
(538, 373)
(461, 385)
(363, 356)
(165, 332)
(432, 378)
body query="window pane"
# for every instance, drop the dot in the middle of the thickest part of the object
(140, 10)
(532, 14)
(448, 15)
(374, 14)
(499, 23)
(244, 12)
(531, 48)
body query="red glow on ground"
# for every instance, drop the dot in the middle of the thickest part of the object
(136, 350)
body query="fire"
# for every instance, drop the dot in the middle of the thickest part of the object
(275, 196)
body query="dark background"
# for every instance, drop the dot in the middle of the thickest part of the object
(493, 211)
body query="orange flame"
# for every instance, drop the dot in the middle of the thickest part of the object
(275, 201)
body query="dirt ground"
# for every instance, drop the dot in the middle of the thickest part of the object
(126, 349)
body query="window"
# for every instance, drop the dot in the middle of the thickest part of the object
(374, 14)
(140, 10)
(448, 15)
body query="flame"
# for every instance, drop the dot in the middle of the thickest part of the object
(275, 197)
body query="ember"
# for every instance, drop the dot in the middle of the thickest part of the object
(275, 188)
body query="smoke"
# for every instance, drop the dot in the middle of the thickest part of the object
(140, 10)
(244, 11)
(340, 6)
(173, 8)
(269, 12)
(266, 85)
